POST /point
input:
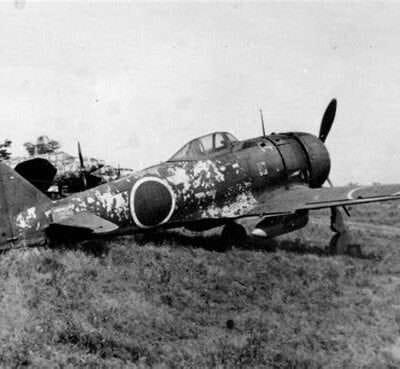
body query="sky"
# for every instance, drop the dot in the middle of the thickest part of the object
(134, 81)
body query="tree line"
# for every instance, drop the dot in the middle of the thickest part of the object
(43, 145)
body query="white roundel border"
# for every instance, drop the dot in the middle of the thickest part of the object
(132, 200)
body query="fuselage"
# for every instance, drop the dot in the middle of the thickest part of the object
(224, 183)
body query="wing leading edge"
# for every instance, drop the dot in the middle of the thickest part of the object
(298, 197)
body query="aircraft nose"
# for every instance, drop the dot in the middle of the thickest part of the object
(318, 159)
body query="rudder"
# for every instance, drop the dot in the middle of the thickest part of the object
(16, 196)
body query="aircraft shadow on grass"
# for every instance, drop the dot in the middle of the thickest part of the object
(102, 247)
(213, 243)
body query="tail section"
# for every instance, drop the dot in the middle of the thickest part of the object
(21, 208)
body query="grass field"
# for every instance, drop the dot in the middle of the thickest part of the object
(173, 302)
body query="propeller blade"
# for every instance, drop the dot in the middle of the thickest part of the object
(80, 156)
(327, 120)
(82, 167)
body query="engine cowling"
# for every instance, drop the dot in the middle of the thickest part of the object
(319, 162)
(304, 153)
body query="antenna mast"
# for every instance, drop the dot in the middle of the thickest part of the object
(262, 123)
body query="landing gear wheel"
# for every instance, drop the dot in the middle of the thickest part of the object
(233, 234)
(338, 245)
(341, 241)
(95, 247)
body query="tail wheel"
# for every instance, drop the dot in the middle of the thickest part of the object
(233, 234)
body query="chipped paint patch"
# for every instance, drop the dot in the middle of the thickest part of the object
(193, 182)
(208, 169)
(115, 205)
(206, 175)
(180, 177)
(262, 168)
(61, 213)
(239, 206)
(26, 219)
(210, 194)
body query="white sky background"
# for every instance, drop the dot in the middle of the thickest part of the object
(133, 82)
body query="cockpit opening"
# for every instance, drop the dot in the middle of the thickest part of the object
(202, 147)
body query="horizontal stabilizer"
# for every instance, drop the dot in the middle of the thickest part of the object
(86, 222)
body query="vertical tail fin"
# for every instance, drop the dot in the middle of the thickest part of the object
(16, 196)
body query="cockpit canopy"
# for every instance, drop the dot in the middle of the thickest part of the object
(202, 147)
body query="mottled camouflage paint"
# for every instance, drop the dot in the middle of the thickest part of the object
(204, 189)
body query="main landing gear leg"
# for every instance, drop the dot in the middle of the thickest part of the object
(341, 241)
(233, 234)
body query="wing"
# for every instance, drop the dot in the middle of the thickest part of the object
(84, 222)
(299, 197)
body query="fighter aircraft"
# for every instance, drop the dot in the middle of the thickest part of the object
(59, 174)
(214, 180)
